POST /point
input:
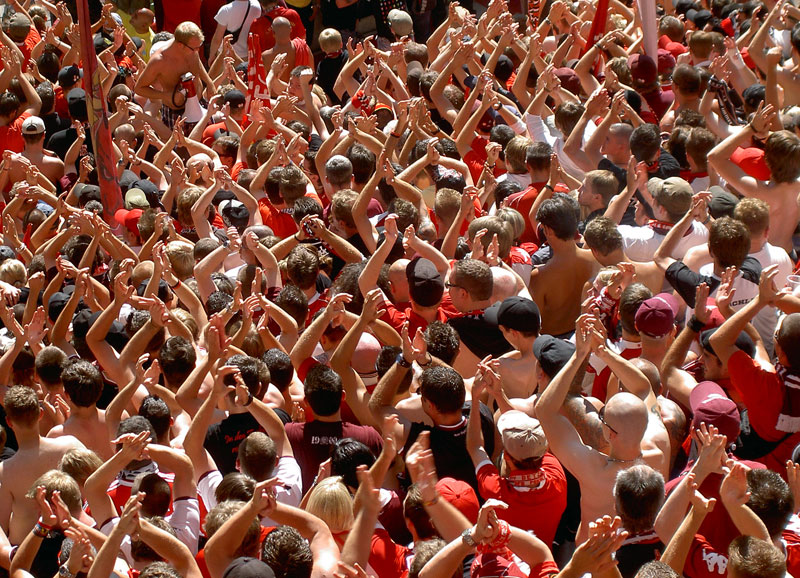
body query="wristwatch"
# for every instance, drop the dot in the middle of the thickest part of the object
(401, 361)
(64, 572)
(466, 538)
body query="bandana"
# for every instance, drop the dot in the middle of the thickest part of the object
(533, 480)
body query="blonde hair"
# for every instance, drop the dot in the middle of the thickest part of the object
(181, 257)
(56, 480)
(516, 150)
(13, 272)
(330, 40)
(185, 31)
(331, 502)
(186, 200)
(80, 463)
(188, 320)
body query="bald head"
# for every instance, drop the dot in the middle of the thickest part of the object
(627, 415)
(650, 372)
(399, 281)
(505, 284)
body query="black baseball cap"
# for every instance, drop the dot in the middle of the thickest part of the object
(552, 353)
(516, 313)
(425, 284)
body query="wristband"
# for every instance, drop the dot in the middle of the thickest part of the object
(176, 284)
(427, 363)
(394, 135)
(695, 325)
(249, 399)
(549, 186)
(401, 361)
(41, 530)
(432, 502)
(295, 237)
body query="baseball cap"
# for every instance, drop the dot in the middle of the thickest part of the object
(88, 193)
(683, 6)
(643, 68)
(18, 27)
(722, 202)
(235, 98)
(516, 313)
(400, 21)
(743, 342)
(523, 436)
(656, 316)
(101, 42)
(492, 564)
(666, 61)
(751, 160)
(699, 17)
(425, 284)
(673, 193)
(235, 212)
(223, 195)
(461, 495)
(83, 321)
(151, 192)
(383, 106)
(136, 199)
(129, 219)
(246, 567)
(76, 102)
(711, 406)
(33, 125)
(552, 353)
(69, 75)
(56, 304)
(569, 79)
(7, 253)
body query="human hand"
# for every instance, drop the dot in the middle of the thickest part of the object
(711, 457)
(734, 490)
(372, 309)
(701, 310)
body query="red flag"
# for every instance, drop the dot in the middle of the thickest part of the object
(110, 193)
(256, 73)
(598, 25)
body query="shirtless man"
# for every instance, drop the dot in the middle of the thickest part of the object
(624, 418)
(282, 29)
(519, 320)
(83, 386)
(161, 78)
(557, 285)
(782, 156)
(36, 455)
(48, 163)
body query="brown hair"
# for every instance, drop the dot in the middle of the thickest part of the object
(729, 242)
(782, 155)
(754, 213)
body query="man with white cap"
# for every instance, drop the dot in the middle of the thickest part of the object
(33, 133)
(535, 486)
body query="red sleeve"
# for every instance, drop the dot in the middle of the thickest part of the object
(544, 570)
(298, 30)
(761, 391)
(386, 557)
(703, 561)
(489, 482)
(393, 316)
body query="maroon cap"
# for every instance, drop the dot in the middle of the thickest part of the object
(569, 80)
(656, 316)
(711, 406)
(461, 495)
(491, 564)
(666, 61)
(643, 68)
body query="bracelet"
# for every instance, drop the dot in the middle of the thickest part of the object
(430, 360)
(176, 284)
(488, 166)
(428, 503)
(695, 325)
(395, 135)
(549, 186)
(707, 219)
(295, 237)
(249, 399)
(41, 530)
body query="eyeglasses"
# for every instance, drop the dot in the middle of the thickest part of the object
(451, 286)
(601, 416)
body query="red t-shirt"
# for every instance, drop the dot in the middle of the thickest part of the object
(762, 392)
(538, 507)
(387, 559)
(281, 223)
(397, 317)
(11, 135)
(523, 201)
(476, 158)
(263, 26)
(31, 40)
(177, 11)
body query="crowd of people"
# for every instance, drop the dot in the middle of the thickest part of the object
(399, 289)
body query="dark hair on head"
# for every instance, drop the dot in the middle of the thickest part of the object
(407, 213)
(177, 358)
(645, 142)
(501, 134)
(424, 553)
(443, 341)
(750, 557)
(287, 553)
(306, 206)
(82, 382)
(475, 277)
(346, 455)
(449, 147)
(235, 486)
(450, 180)
(690, 118)
(323, 390)
(280, 368)
(443, 387)
(158, 493)
(560, 214)
(770, 499)
(136, 424)
(538, 156)
(9, 103)
(729, 242)
(505, 189)
(629, 302)
(49, 365)
(782, 156)
(302, 266)
(156, 411)
(223, 283)
(218, 301)
(22, 405)
(363, 161)
(254, 373)
(141, 552)
(415, 514)
(257, 456)
(602, 235)
(567, 116)
(292, 300)
(677, 145)
(639, 494)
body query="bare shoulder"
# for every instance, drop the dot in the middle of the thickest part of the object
(66, 442)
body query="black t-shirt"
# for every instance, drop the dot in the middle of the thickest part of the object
(636, 552)
(621, 174)
(223, 439)
(53, 123)
(480, 336)
(339, 18)
(449, 446)
(328, 71)
(60, 142)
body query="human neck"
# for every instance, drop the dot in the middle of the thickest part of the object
(614, 257)
(83, 413)
(28, 438)
(757, 243)
(427, 313)
(329, 418)
(620, 453)
(310, 291)
(561, 246)
(540, 176)
(447, 419)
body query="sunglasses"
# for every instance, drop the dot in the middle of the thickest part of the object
(601, 416)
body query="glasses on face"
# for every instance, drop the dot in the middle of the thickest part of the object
(451, 286)
(601, 416)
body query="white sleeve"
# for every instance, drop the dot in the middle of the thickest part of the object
(223, 14)
(538, 129)
(125, 546)
(185, 520)
(207, 486)
(291, 478)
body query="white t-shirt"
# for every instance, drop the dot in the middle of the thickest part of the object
(772, 255)
(641, 243)
(544, 130)
(233, 16)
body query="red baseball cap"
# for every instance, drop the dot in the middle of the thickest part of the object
(461, 495)
(711, 406)
(751, 160)
(656, 316)
(129, 219)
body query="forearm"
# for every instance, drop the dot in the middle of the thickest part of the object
(678, 547)
(386, 389)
